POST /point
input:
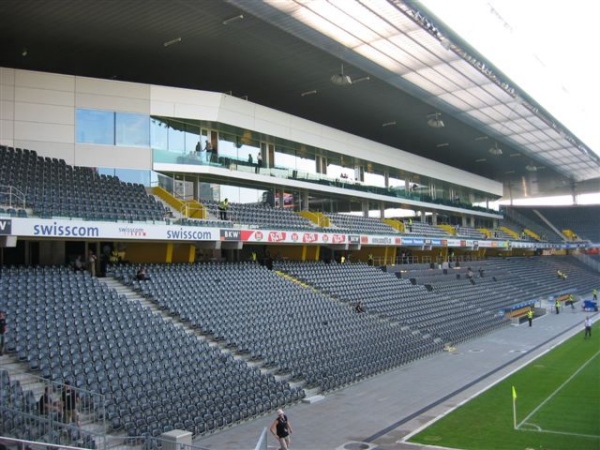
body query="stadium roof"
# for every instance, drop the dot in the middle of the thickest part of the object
(388, 79)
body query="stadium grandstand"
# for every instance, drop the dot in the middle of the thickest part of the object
(195, 196)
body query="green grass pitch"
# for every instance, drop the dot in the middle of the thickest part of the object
(557, 406)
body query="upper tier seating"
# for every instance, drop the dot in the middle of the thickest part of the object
(260, 215)
(359, 224)
(527, 218)
(469, 233)
(425, 229)
(583, 220)
(54, 189)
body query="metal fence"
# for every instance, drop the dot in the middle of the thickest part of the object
(36, 409)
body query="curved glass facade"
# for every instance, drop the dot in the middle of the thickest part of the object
(184, 142)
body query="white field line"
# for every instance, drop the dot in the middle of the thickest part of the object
(558, 389)
(538, 429)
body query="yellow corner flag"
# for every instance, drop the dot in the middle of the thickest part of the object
(514, 392)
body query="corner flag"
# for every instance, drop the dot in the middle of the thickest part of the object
(514, 405)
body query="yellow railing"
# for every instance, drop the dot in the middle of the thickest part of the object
(316, 217)
(395, 224)
(449, 228)
(188, 208)
(510, 232)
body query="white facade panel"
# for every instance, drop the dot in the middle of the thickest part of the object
(48, 81)
(244, 120)
(7, 132)
(112, 103)
(44, 114)
(44, 96)
(109, 156)
(7, 106)
(276, 128)
(112, 88)
(185, 103)
(7, 110)
(7, 93)
(162, 108)
(51, 149)
(44, 132)
(242, 107)
(190, 111)
(7, 76)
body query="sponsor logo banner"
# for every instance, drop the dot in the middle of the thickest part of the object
(47, 228)
(231, 235)
(5, 226)
(310, 238)
(338, 239)
(354, 239)
(277, 236)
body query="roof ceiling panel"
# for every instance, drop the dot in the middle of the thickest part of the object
(457, 102)
(415, 50)
(423, 83)
(455, 77)
(432, 75)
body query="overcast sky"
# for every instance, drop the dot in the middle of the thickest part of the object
(546, 47)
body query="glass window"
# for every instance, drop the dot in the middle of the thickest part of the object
(95, 127)
(133, 130)
(192, 136)
(176, 138)
(158, 134)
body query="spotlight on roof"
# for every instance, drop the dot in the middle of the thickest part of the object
(495, 150)
(340, 79)
(531, 168)
(434, 121)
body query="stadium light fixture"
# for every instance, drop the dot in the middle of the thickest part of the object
(495, 150)
(434, 121)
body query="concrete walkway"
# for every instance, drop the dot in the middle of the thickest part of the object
(379, 412)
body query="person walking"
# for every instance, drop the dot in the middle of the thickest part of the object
(595, 294)
(209, 151)
(2, 331)
(223, 207)
(571, 302)
(281, 429)
(92, 263)
(530, 316)
(587, 324)
(259, 162)
(69, 403)
(557, 306)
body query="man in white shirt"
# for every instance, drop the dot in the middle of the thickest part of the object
(587, 323)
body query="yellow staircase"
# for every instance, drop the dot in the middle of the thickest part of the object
(395, 224)
(510, 232)
(189, 208)
(485, 231)
(448, 228)
(316, 217)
